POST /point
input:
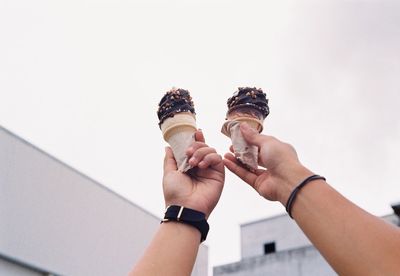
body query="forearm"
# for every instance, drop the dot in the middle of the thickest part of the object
(353, 241)
(172, 251)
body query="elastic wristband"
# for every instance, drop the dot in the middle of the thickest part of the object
(293, 195)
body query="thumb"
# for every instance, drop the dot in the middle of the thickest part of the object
(169, 161)
(251, 135)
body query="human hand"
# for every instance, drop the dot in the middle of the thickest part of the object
(283, 168)
(200, 188)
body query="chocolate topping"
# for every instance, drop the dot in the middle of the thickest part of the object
(175, 101)
(249, 97)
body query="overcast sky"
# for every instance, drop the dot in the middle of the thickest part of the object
(82, 80)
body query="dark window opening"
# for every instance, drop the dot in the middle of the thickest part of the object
(269, 248)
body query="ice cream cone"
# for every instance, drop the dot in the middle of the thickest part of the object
(248, 105)
(181, 122)
(255, 123)
(178, 132)
(245, 153)
(178, 123)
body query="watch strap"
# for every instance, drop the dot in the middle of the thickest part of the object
(188, 216)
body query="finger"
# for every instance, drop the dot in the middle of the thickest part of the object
(232, 164)
(199, 136)
(169, 161)
(195, 146)
(251, 135)
(199, 155)
(231, 149)
(233, 159)
(210, 160)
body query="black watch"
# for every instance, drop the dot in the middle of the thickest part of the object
(189, 216)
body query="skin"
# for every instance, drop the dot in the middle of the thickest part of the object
(353, 241)
(174, 248)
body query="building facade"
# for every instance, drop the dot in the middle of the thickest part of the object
(56, 221)
(277, 246)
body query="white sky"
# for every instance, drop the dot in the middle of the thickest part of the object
(82, 80)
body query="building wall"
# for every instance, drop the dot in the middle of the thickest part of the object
(280, 229)
(56, 219)
(8, 267)
(294, 256)
(297, 262)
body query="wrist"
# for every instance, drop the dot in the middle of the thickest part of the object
(189, 204)
(292, 175)
(188, 216)
(182, 229)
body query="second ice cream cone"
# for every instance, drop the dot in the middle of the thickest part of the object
(245, 153)
(252, 122)
(247, 105)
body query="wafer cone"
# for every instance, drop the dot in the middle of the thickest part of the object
(245, 153)
(249, 105)
(178, 131)
(252, 122)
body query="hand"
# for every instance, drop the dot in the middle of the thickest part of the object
(199, 189)
(283, 168)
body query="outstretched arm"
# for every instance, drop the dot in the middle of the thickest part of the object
(174, 248)
(353, 241)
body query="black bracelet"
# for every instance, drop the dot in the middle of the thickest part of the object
(293, 195)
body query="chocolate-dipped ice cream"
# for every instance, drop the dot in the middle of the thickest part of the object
(177, 121)
(248, 105)
(174, 101)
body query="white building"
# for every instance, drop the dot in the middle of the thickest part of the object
(56, 221)
(277, 246)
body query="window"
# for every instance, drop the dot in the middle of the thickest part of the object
(269, 248)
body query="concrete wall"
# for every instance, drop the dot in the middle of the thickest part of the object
(297, 262)
(280, 229)
(8, 267)
(56, 219)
